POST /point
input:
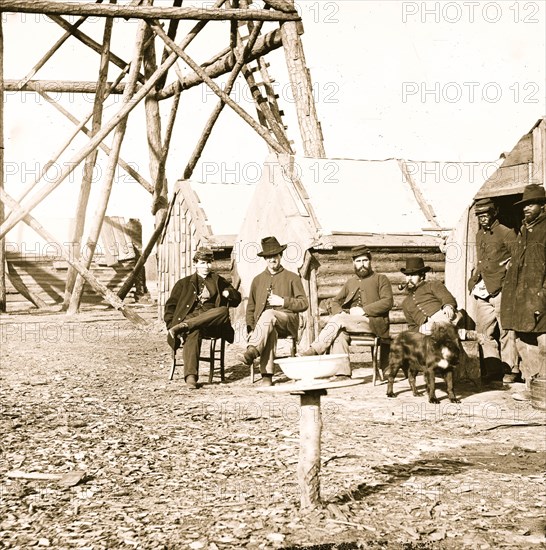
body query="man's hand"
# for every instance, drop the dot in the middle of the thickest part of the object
(275, 301)
(225, 294)
(356, 310)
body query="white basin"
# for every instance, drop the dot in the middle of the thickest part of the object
(314, 366)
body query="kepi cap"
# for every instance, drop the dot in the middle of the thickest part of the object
(360, 251)
(484, 205)
(203, 253)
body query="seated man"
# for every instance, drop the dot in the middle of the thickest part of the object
(275, 299)
(428, 302)
(197, 307)
(362, 305)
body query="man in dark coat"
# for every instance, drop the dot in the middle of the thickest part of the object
(362, 305)
(493, 243)
(275, 299)
(523, 306)
(197, 307)
(428, 302)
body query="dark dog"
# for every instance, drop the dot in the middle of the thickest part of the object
(414, 352)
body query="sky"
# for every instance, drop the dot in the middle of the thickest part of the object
(446, 81)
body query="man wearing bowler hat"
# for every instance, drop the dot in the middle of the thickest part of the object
(523, 307)
(493, 243)
(275, 299)
(362, 305)
(428, 302)
(197, 307)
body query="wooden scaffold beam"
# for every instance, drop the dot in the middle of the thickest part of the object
(52, 7)
(3, 304)
(108, 295)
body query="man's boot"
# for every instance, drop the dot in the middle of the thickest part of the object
(249, 355)
(191, 382)
(266, 380)
(176, 330)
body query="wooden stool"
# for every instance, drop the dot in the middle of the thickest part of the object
(293, 350)
(215, 353)
(374, 342)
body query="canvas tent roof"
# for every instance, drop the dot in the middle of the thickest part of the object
(220, 206)
(390, 196)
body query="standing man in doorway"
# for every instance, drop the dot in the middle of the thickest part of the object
(523, 307)
(493, 243)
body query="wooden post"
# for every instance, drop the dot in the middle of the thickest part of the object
(217, 90)
(223, 62)
(20, 212)
(153, 132)
(160, 202)
(309, 459)
(50, 53)
(93, 44)
(171, 32)
(22, 288)
(302, 90)
(81, 127)
(90, 161)
(109, 296)
(3, 304)
(220, 105)
(119, 134)
(128, 283)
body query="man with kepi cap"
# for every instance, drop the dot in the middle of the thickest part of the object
(197, 307)
(493, 244)
(362, 305)
(523, 307)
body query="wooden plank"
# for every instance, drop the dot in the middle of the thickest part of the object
(109, 247)
(50, 7)
(539, 154)
(196, 212)
(522, 153)
(407, 240)
(425, 207)
(508, 180)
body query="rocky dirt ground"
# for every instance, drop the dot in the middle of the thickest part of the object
(154, 465)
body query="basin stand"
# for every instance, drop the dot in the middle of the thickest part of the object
(309, 459)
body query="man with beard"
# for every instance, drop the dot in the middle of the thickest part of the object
(428, 302)
(523, 307)
(362, 305)
(276, 297)
(197, 307)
